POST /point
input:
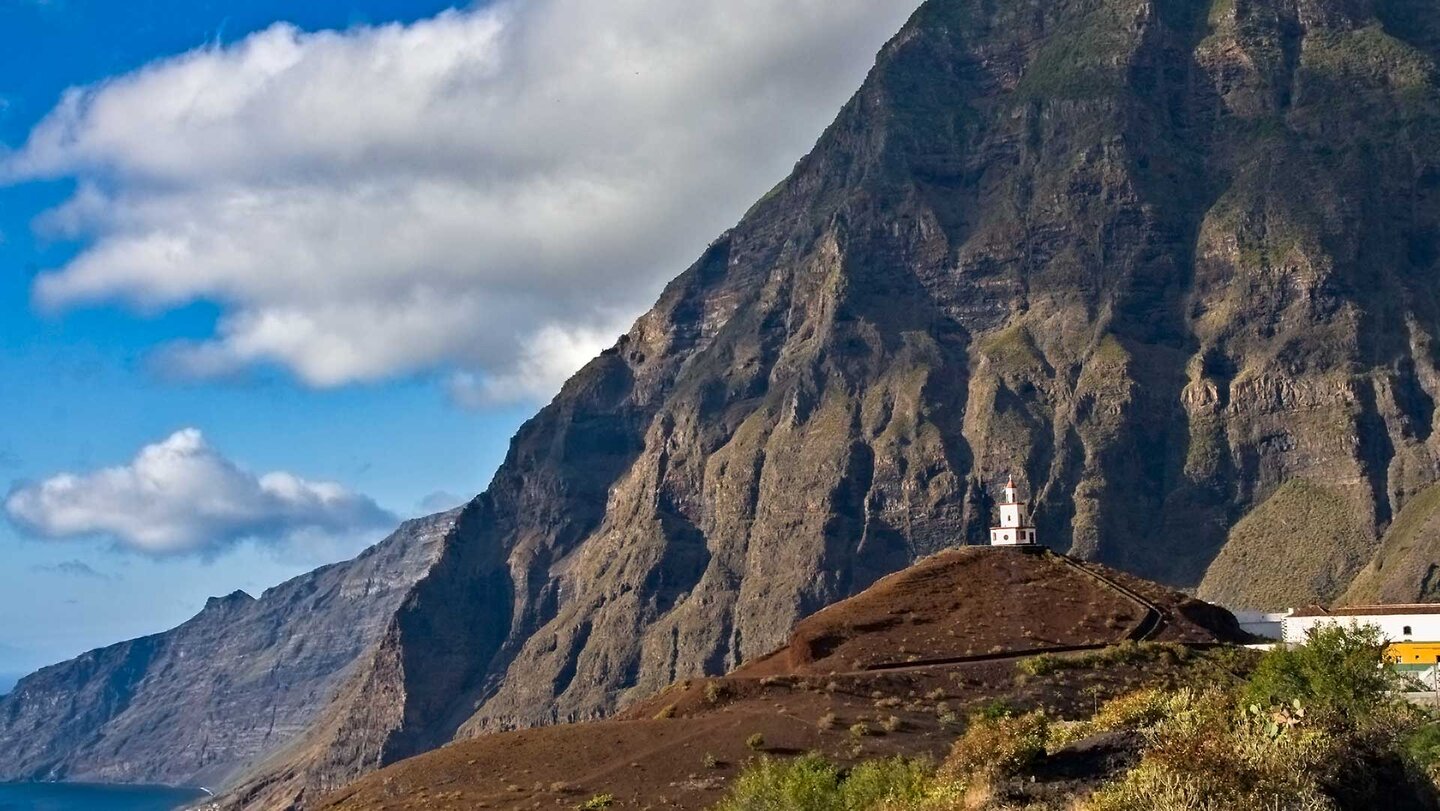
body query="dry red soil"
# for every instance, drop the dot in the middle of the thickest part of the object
(895, 670)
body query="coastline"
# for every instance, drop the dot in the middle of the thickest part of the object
(33, 796)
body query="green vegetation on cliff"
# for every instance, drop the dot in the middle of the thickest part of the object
(1405, 569)
(1303, 545)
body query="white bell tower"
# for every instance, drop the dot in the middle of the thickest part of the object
(1015, 527)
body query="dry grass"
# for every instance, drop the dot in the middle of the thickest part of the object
(1303, 545)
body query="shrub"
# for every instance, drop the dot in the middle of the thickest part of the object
(999, 708)
(828, 721)
(715, 692)
(1042, 665)
(1340, 674)
(1141, 709)
(811, 783)
(860, 730)
(710, 761)
(892, 724)
(597, 802)
(997, 747)
(1207, 757)
(1125, 653)
(667, 712)
(755, 742)
(891, 783)
(808, 783)
(1422, 745)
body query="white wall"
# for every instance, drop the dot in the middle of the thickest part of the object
(1423, 627)
(1260, 623)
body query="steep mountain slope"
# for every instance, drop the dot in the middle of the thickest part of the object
(197, 704)
(1156, 258)
(1407, 567)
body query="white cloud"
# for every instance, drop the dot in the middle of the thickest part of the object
(484, 192)
(180, 496)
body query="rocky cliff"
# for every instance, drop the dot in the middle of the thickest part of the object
(210, 698)
(1169, 263)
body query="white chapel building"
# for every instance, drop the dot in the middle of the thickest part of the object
(1015, 527)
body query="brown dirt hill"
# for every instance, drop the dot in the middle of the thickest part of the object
(884, 673)
(978, 600)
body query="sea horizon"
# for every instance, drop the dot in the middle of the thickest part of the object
(95, 797)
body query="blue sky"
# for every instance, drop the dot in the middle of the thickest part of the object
(76, 391)
(319, 260)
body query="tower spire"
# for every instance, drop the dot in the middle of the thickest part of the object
(1015, 527)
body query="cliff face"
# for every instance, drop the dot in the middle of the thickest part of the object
(210, 698)
(1164, 261)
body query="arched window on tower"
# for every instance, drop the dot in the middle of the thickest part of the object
(1406, 630)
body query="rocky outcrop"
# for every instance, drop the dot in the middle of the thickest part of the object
(211, 698)
(1155, 258)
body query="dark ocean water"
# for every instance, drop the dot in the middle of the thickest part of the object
(47, 797)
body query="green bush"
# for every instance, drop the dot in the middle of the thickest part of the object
(1340, 675)
(597, 802)
(1124, 653)
(1422, 746)
(1314, 722)
(997, 747)
(812, 783)
(1139, 710)
(1207, 757)
(892, 782)
(999, 708)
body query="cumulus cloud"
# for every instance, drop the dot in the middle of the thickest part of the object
(489, 194)
(180, 497)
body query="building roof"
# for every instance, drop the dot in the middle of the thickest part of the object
(1368, 610)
